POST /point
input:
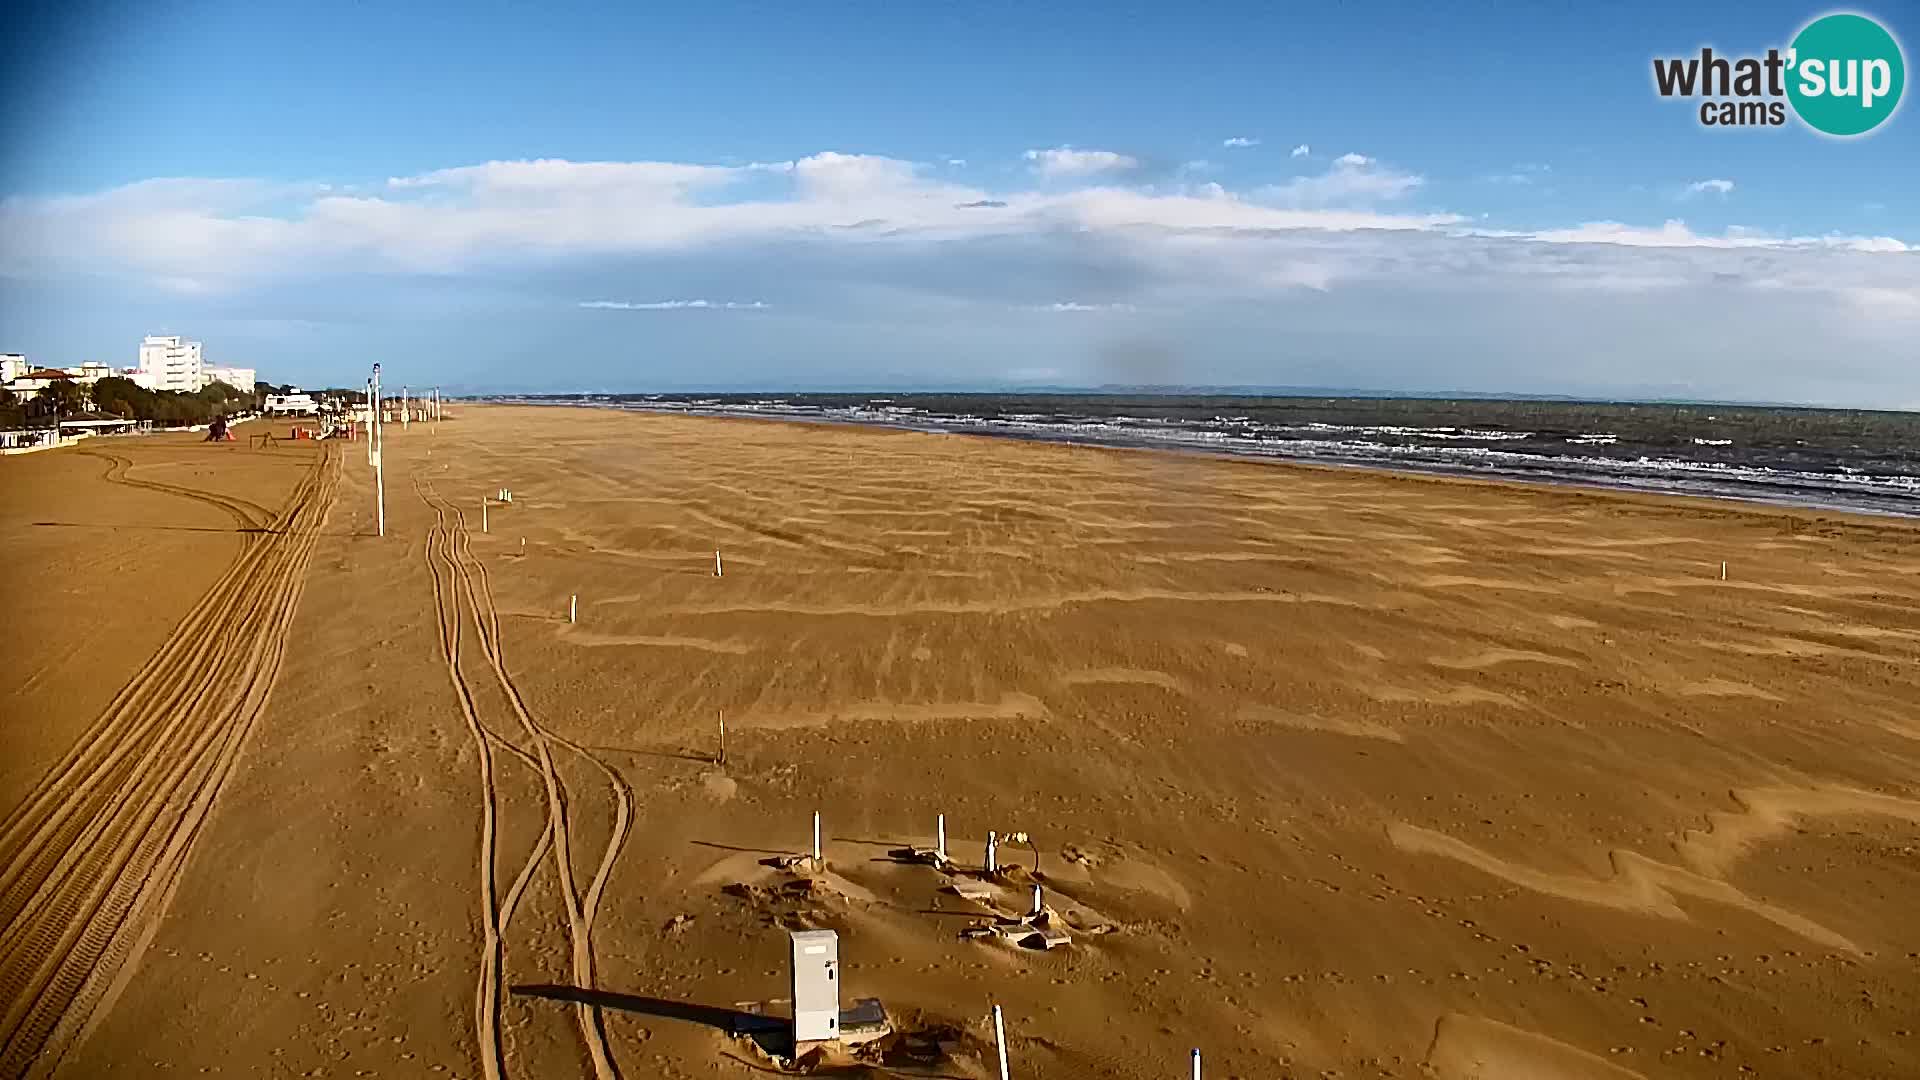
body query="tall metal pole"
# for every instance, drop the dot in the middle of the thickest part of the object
(370, 408)
(379, 466)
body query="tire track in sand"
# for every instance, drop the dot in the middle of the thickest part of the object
(250, 515)
(497, 913)
(89, 861)
(581, 911)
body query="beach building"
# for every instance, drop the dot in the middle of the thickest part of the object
(90, 372)
(32, 382)
(294, 404)
(240, 378)
(171, 363)
(12, 366)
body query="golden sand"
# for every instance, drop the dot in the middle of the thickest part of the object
(1327, 769)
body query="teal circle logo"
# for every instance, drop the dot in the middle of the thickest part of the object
(1846, 73)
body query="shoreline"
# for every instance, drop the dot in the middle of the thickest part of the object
(1738, 502)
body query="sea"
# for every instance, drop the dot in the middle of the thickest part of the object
(1856, 460)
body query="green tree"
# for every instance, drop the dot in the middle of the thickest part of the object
(64, 397)
(123, 397)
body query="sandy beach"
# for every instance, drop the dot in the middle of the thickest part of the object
(1326, 772)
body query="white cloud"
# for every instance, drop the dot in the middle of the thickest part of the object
(1881, 302)
(1702, 187)
(1239, 142)
(1065, 161)
(502, 213)
(1300, 151)
(1352, 179)
(1675, 234)
(1121, 209)
(957, 162)
(1076, 306)
(1164, 249)
(1325, 263)
(676, 305)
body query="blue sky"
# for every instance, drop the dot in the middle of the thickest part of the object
(1382, 196)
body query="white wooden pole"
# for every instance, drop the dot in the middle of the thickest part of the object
(1196, 1063)
(1037, 908)
(1723, 569)
(717, 571)
(993, 855)
(379, 464)
(722, 759)
(573, 607)
(816, 837)
(483, 515)
(1000, 1041)
(940, 837)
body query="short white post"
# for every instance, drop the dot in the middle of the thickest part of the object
(1196, 1063)
(717, 572)
(722, 759)
(1000, 1041)
(573, 607)
(816, 837)
(483, 515)
(993, 855)
(940, 837)
(1723, 569)
(380, 487)
(1037, 908)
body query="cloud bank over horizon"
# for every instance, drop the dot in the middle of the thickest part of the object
(868, 268)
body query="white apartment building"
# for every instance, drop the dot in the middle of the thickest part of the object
(171, 363)
(12, 366)
(240, 378)
(89, 373)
